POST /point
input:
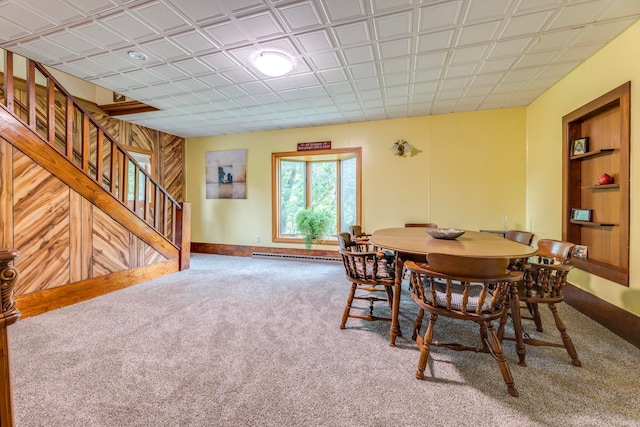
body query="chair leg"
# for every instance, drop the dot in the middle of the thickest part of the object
(347, 308)
(514, 302)
(426, 343)
(566, 339)
(418, 324)
(389, 290)
(535, 313)
(496, 351)
(483, 337)
(503, 321)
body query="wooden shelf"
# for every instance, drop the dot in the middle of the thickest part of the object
(606, 121)
(601, 187)
(592, 224)
(592, 153)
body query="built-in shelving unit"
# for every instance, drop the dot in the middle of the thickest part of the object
(606, 122)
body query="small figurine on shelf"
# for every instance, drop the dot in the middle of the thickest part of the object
(605, 179)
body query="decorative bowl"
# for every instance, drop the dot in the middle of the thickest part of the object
(445, 233)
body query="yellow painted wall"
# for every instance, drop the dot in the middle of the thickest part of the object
(615, 64)
(469, 171)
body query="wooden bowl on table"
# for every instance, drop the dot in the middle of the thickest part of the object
(445, 233)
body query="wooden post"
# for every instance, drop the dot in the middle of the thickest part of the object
(183, 234)
(9, 314)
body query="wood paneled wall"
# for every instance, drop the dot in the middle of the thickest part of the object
(168, 150)
(62, 238)
(70, 249)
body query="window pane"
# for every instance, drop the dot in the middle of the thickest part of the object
(348, 194)
(324, 189)
(131, 178)
(292, 194)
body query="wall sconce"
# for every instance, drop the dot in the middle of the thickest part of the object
(401, 148)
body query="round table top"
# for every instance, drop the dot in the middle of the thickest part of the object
(415, 240)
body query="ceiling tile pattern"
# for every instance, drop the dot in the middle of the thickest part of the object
(355, 60)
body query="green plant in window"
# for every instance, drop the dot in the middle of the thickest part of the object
(313, 224)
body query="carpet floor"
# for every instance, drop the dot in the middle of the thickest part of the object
(256, 342)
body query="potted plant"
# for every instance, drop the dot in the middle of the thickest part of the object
(313, 224)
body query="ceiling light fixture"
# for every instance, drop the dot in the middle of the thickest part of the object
(273, 64)
(138, 56)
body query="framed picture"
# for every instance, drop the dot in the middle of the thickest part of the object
(226, 174)
(579, 146)
(581, 215)
(118, 97)
(579, 251)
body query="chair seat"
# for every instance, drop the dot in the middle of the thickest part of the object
(457, 295)
(381, 268)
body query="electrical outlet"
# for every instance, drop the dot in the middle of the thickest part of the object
(257, 238)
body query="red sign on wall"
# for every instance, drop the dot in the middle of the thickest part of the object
(320, 145)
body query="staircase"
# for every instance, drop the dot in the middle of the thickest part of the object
(114, 202)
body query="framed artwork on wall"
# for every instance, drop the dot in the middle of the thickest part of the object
(226, 174)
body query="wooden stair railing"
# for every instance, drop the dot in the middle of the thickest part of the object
(87, 145)
(20, 109)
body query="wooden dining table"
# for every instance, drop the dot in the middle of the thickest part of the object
(413, 243)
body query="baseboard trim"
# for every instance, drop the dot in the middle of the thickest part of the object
(40, 302)
(247, 251)
(621, 322)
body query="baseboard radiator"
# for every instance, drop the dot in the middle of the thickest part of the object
(295, 257)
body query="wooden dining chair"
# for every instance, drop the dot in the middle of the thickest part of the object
(370, 272)
(545, 277)
(467, 289)
(356, 231)
(357, 235)
(523, 237)
(549, 252)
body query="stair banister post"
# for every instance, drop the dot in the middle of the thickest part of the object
(183, 234)
(9, 314)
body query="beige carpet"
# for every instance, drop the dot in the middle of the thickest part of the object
(254, 342)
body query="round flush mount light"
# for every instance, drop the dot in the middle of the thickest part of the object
(273, 64)
(138, 56)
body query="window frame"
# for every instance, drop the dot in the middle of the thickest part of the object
(308, 157)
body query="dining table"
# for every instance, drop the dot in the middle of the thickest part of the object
(414, 243)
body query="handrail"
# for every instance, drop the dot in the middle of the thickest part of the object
(159, 209)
